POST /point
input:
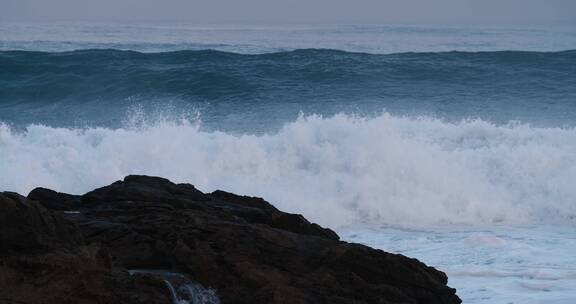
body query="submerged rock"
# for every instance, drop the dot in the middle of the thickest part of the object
(241, 247)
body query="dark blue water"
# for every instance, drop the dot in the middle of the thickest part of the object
(257, 92)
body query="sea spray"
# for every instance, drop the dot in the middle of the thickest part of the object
(338, 170)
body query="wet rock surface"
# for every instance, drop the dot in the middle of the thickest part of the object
(242, 247)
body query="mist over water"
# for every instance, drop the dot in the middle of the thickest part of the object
(266, 38)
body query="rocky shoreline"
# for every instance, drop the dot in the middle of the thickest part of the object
(61, 248)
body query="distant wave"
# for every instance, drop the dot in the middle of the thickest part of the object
(96, 85)
(337, 171)
(104, 74)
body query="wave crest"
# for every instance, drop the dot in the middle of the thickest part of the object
(337, 171)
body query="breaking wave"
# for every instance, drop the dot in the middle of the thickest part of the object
(337, 170)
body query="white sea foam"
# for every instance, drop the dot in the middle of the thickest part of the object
(529, 264)
(337, 171)
(525, 274)
(482, 239)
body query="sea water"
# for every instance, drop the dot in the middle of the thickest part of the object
(456, 146)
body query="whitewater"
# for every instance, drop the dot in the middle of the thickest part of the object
(455, 146)
(339, 171)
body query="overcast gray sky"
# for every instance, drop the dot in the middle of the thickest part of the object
(294, 11)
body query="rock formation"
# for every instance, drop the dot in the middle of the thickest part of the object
(60, 248)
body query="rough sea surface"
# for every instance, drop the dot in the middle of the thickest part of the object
(456, 146)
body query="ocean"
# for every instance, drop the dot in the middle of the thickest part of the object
(453, 145)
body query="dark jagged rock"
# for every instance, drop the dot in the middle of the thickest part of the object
(44, 259)
(145, 189)
(26, 226)
(243, 247)
(257, 210)
(54, 200)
